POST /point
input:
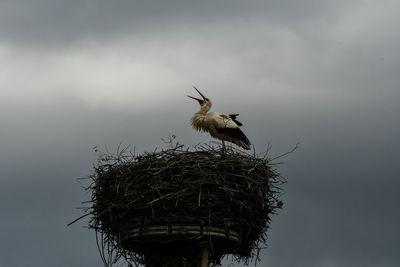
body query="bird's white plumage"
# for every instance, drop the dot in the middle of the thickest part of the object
(213, 121)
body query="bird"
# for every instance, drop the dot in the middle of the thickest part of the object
(221, 126)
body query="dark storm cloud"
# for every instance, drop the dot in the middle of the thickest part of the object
(54, 22)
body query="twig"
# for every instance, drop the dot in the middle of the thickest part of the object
(286, 153)
(77, 219)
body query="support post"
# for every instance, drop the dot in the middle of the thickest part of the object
(203, 262)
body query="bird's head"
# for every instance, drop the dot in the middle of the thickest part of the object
(203, 102)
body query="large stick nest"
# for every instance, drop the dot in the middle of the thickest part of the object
(234, 191)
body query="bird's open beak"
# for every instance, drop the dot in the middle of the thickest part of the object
(201, 101)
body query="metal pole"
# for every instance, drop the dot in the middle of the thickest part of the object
(204, 258)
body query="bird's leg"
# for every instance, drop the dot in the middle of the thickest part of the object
(223, 146)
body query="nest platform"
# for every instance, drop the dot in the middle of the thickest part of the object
(166, 206)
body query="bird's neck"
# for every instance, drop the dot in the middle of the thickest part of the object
(204, 109)
(198, 120)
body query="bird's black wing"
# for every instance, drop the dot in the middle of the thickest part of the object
(234, 133)
(233, 117)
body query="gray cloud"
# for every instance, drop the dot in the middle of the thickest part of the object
(53, 22)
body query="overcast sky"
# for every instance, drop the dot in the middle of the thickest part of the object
(79, 74)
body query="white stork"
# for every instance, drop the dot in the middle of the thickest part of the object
(220, 126)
